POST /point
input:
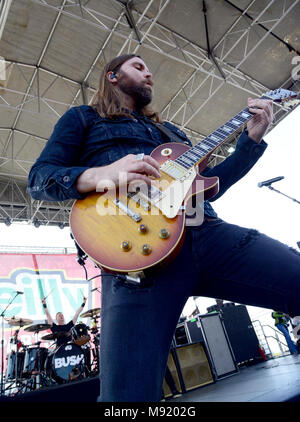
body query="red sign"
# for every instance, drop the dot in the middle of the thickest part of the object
(59, 278)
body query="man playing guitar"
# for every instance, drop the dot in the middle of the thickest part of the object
(111, 141)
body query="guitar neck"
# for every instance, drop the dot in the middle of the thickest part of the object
(206, 146)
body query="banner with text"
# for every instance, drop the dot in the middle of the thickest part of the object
(58, 277)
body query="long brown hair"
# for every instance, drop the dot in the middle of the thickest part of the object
(107, 101)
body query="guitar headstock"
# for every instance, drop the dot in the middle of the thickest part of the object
(280, 95)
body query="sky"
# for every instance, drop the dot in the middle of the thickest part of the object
(244, 204)
(269, 212)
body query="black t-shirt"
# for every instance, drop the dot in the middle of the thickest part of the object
(60, 329)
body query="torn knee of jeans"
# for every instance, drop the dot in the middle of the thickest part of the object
(247, 238)
(294, 250)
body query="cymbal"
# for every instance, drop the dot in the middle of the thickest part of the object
(91, 313)
(54, 336)
(18, 322)
(37, 327)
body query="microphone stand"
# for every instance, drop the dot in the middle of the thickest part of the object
(278, 191)
(2, 341)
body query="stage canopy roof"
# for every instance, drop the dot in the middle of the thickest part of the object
(207, 58)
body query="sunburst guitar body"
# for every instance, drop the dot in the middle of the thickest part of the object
(126, 233)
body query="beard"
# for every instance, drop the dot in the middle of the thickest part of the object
(142, 94)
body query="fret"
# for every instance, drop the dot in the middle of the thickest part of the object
(186, 160)
(207, 143)
(215, 137)
(240, 119)
(200, 150)
(223, 133)
(191, 159)
(193, 155)
(197, 153)
(226, 129)
(234, 121)
(210, 142)
(182, 163)
(204, 146)
(233, 126)
(245, 115)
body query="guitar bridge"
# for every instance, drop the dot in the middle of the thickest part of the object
(132, 214)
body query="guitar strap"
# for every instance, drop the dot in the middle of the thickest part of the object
(169, 133)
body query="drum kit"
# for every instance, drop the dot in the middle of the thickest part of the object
(32, 367)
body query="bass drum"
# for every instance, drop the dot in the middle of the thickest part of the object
(67, 363)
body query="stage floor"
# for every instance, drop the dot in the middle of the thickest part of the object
(276, 380)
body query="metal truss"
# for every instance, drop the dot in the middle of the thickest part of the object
(16, 205)
(241, 32)
(161, 40)
(167, 44)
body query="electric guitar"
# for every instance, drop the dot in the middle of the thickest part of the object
(131, 230)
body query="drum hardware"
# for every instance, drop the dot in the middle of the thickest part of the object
(34, 361)
(18, 322)
(35, 367)
(15, 363)
(91, 313)
(2, 338)
(80, 334)
(94, 314)
(15, 359)
(26, 369)
(37, 328)
(94, 347)
(55, 336)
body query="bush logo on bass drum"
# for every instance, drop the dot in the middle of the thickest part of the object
(68, 361)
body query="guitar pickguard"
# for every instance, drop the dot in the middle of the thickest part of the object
(174, 194)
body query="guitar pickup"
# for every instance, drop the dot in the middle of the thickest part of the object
(132, 214)
(138, 200)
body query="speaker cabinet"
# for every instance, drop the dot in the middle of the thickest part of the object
(218, 345)
(181, 335)
(194, 330)
(242, 336)
(190, 368)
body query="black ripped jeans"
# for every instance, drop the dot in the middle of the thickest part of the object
(218, 260)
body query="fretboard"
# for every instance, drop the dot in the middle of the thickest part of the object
(195, 154)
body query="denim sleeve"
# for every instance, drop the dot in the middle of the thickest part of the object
(237, 165)
(53, 176)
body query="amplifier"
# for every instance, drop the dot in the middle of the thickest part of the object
(190, 368)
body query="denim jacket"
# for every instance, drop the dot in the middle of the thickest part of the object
(82, 139)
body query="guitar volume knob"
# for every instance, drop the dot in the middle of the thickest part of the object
(126, 246)
(146, 249)
(164, 233)
(143, 229)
